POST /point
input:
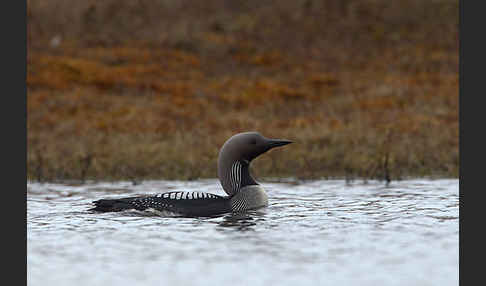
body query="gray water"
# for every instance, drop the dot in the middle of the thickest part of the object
(312, 233)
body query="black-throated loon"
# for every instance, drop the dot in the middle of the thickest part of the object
(234, 159)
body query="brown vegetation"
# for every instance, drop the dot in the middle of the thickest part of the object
(152, 89)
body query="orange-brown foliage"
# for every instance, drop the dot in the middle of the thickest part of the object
(351, 81)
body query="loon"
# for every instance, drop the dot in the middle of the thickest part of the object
(243, 192)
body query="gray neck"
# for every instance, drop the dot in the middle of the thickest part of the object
(235, 176)
(250, 197)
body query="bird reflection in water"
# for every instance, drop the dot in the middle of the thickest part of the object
(242, 221)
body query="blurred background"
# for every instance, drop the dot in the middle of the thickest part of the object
(151, 89)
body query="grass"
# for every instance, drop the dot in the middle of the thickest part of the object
(366, 89)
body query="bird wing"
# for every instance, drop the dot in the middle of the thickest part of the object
(184, 203)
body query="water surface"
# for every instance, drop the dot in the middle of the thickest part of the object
(313, 233)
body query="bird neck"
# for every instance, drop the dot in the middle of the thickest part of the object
(236, 176)
(251, 197)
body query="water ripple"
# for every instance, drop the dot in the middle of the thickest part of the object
(312, 232)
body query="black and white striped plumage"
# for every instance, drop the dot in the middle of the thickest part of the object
(243, 191)
(235, 176)
(183, 203)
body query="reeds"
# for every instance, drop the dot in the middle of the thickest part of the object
(366, 88)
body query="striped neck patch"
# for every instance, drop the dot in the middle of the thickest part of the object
(235, 176)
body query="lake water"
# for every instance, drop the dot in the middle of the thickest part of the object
(312, 233)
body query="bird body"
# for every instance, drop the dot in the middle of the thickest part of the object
(244, 193)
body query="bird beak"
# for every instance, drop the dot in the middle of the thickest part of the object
(278, 142)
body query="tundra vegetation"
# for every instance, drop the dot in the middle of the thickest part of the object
(135, 90)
